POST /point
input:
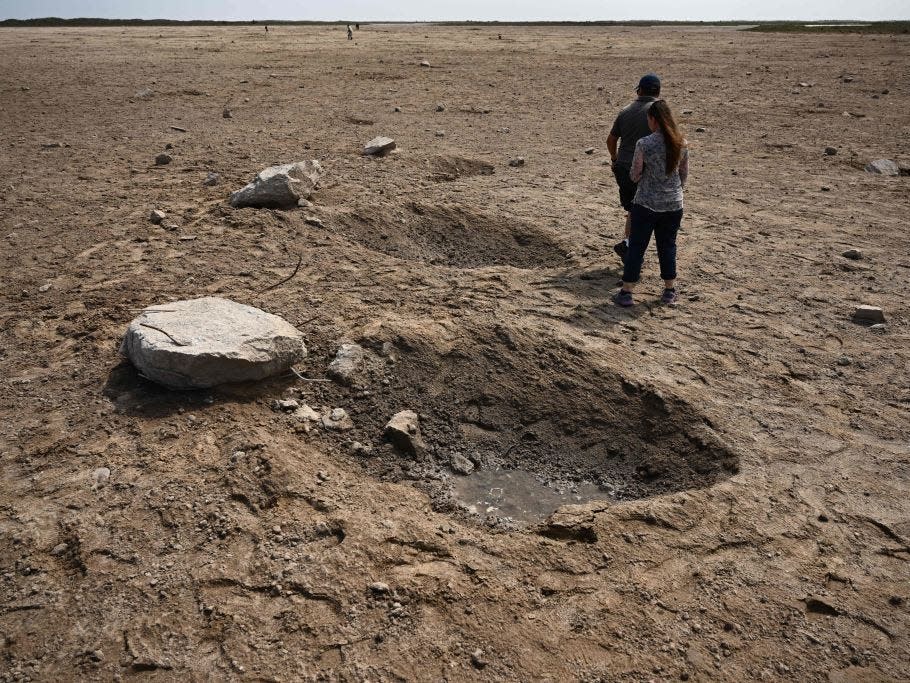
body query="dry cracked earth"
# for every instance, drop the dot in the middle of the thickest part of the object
(735, 467)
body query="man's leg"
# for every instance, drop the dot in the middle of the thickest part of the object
(627, 191)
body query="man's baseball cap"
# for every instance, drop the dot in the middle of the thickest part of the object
(649, 82)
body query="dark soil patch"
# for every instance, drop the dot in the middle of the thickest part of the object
(453, 236)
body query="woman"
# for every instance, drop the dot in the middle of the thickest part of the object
(660, 167)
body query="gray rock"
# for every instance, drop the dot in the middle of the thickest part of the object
(516, 162)
(157, 216)
(211, 180)
(590, 150)
(227, 113)
(307, 417)
(337, 419)
(361, 449)
(830, 151)
(379, 146)
(100, 477)
(440, 133)
(701, 129)
(853, 254)
(286, 404)
(145, 94)
(199, 343)
(883, 167)
(59, 549)
(279, 187)
(440, 106)
(461, 465)
(903, 167)
(478, 659)
(163, 159)
(346, 364)
(425, 63)
(403, 430)
(380, 588)
(869, 314)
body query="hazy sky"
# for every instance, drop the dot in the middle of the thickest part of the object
(424, 10)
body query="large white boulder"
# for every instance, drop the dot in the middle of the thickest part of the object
(279, 187)
(204, 342)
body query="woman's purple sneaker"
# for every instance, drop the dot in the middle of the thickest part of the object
(669, 296)
(623, 298)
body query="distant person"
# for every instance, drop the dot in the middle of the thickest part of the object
(630, 126)
(660, 166)
(350, 33)
(357, 27)
(266, 29)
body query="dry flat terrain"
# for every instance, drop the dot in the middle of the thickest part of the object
(741, 461)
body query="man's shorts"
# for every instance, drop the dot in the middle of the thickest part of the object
(627, 188)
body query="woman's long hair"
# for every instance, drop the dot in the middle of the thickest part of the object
(673, 139)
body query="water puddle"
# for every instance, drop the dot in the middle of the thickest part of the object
(519, 495)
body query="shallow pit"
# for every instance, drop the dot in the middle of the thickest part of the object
(451, 235)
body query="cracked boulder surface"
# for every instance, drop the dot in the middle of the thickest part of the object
(752, 441)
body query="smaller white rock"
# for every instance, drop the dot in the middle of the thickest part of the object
(379, 146)
(883, 167)
(157, 216)
(869, 314)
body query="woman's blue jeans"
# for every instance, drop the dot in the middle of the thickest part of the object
(664, 225)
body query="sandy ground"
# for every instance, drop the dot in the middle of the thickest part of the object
(751, 444)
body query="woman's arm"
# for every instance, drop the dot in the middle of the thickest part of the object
(638, 163)
(684, 166)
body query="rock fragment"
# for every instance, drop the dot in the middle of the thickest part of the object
(869, 314)
(379, 146)
(853, 254)
(156, 216)
(200, 343)
(883, 167)
(461, 465)
(425, 63)
(163, 159)
(403, 431)
(286, 404)
(346, 364)
(516, 162)
(337, 419)
(211, 179)
(830, 151)
(279, 187)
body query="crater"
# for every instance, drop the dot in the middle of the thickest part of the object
(453, 236)
(448, 168)
(525, 409)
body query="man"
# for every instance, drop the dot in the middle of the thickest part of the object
(630, 126)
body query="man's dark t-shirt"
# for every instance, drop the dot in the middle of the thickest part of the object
(630, 126)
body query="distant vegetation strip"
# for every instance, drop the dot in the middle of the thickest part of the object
(889, 27)
(839, 26)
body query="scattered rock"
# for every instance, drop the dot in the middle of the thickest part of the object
(701, 129)
(830, 151)
(227, 113)
(204, 342)
(847, 79)
(853, 254)
(878, 327)
(361, 449)
(397, 110)
(516, 162)
(279, 187)
(43, 288)
(315, 222)
(145, 94)
(425, 63)
(379, 146)
(346, 364)
(286, 404)
(869, 314)
(590, 150)
(687, 112)
(903, 167)
(307, 418)
(163, 159)
(440, 106)
(52, 145)
(337, 419)
(211, 179)
(883, 167)
(440, 133)
(380, 588)
(461, 465)
(179, 129)
(403, 431)
(478, 659)
(100, 477)
(59, 549)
